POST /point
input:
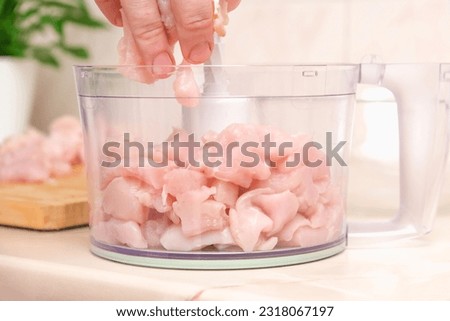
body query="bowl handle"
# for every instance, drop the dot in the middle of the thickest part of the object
(422, 93)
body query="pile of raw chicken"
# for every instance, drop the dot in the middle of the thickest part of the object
(36, 157)
(222, 207)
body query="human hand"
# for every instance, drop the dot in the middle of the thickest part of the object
(155, 31)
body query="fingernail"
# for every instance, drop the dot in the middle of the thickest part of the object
(200, 53)
(162, 64)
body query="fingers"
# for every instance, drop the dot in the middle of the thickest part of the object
(232, 4)
(194, 29)
(111, 10)
(194, 20)
(149, 34)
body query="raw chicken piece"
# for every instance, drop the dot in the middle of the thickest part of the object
(174, 239)
(267, 212)
(119, 232)
(155, 199)
(102, 232)
(247, 225)
(288, 231)
(307, 192)
(327, 210)
(221, 17)
(239, 175)
(154, 228)
(33, 157)
(248, 222)
(321, 173)
(280, 207)
(22, 158)
(66, 134)
(236, 165)
(153, 176)
(182, 180)
(198, 213)
(226, 192)
(139, 166)
(107, 174)
(183, 157)
(266, 245)
(120, 201)
(246, 199)
(322, 225)
(281, 181)
(186, 89)
(64, 145)
(173, 217)
(307, 236)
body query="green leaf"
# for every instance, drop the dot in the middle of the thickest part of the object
(12, 50)
(78, 52)
(29, 13)
(55, 22)
(45, 56)
(84, 20)
(57, 4)
(7, 8)
(22, 21)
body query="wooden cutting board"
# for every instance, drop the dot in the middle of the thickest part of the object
(58, 204)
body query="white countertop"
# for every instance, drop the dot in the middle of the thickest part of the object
(59, 266)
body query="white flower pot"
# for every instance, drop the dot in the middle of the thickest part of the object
(17, 84)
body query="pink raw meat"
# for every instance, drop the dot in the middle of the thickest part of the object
(221, 18)
(182, 159)
(101, 231)
(120, 201)
(288, 231)
(66, 134)
(281, 181)
(150, 174)
(198, 213)
(226, 192)
(153, 176)
(233, 166)
(22, 158)
(174, 239)
(280, 207)
(34, 157)
(247, 225)
(154, 199)
(192, 180)
(307, 192)
(307, 236)
(248, 222)
(188, 208)
(154, 228)
(185, 86)
(64, 145)
(119, 232)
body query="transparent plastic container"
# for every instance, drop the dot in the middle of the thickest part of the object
(253, 174)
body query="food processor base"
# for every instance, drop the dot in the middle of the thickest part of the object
(213, 260)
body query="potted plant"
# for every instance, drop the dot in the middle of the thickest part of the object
(33, 31)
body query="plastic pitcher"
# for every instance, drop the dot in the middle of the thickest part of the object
(254, 172)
